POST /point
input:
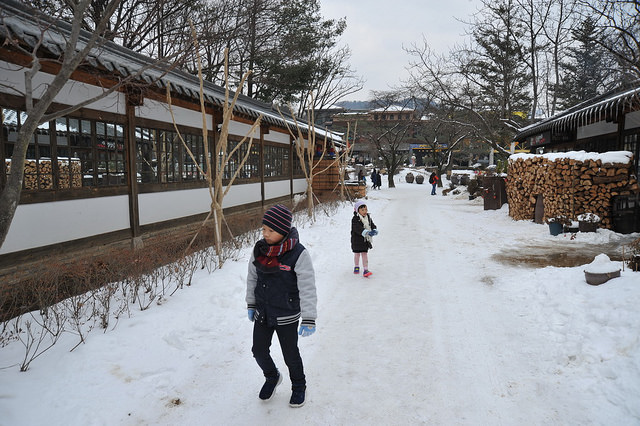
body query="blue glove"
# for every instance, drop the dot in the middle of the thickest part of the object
(365, 233)
(306, 330)
(251, 313)
(373, 233)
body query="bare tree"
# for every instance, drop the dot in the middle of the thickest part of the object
(557, 31)
(154, 28)
(534, 15)
(620, 21)
(344, 156)
(78, 44)
(333, 80)
(442, 131)
(215, 176)
(305, 149)
(441, 80)
(486, 78)
(390, 138)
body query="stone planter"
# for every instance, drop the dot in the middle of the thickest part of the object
(409, 178)
(419, 179)
(595, 278)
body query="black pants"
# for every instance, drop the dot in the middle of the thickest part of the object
(288, 338)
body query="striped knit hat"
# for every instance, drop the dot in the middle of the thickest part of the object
(278, 218)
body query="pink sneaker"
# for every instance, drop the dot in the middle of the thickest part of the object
(366, 273)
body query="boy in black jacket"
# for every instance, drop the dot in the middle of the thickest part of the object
(281, 289)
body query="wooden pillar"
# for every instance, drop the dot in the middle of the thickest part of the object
(133, 99)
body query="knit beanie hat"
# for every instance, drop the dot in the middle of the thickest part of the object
(358, 204)
(278, 218)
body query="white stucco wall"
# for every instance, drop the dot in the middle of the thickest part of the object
(242, 194)
(242, 129)
(596, 129)
(161, 206)
(278, 137)
(632, 120)
(155, 110)
(36, 225)
(299, 185)
(72, 93)
(276, 189)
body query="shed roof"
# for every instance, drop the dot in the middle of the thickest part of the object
(605, 107)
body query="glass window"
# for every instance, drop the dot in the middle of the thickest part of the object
(110, 154)
(196, 147)
(169, 154)
(75, 162)
(146, 159)
(276, 161)
(38, 168)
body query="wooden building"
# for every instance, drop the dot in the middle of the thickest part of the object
(115, 169)
(609, 122)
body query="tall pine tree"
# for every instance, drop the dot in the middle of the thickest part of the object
(587, 69)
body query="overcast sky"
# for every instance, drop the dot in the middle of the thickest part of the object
(377, 30)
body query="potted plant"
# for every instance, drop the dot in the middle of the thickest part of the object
(557, 223)
(588, 222)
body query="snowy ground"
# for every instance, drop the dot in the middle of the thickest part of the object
(443, 333)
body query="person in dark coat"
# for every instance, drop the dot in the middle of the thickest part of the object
(379, 180)
(374, 179)
(433, 180)
(281, 290)
(362, 231)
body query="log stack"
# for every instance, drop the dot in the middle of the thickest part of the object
(34, 179)
(328, 176)
(570, 187)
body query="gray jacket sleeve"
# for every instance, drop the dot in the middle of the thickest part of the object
(252, 280)
(307, 288)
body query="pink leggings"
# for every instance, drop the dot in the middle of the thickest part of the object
(365, 259)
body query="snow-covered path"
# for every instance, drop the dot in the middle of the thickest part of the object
(441, 334)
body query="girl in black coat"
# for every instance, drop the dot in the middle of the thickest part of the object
(362, 231)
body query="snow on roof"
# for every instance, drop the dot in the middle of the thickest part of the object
(618, 157)
(599, 108)
(392, 108)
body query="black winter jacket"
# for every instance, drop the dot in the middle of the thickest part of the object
(358, 242)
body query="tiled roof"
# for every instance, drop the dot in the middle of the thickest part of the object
(607, 106)
(16, 18)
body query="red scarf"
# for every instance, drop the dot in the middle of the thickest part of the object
(267, 255)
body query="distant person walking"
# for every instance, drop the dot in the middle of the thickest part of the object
(374, 179)
(362, 231)
(433, 180)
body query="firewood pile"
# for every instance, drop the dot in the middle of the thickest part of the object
(569, 187)
(69, 173)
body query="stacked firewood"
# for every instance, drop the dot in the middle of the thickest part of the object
(570, 187)
(70, 176)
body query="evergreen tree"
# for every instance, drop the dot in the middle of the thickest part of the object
(587, 68)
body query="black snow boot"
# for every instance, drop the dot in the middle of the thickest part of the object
(297, 398)
(269, 387)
